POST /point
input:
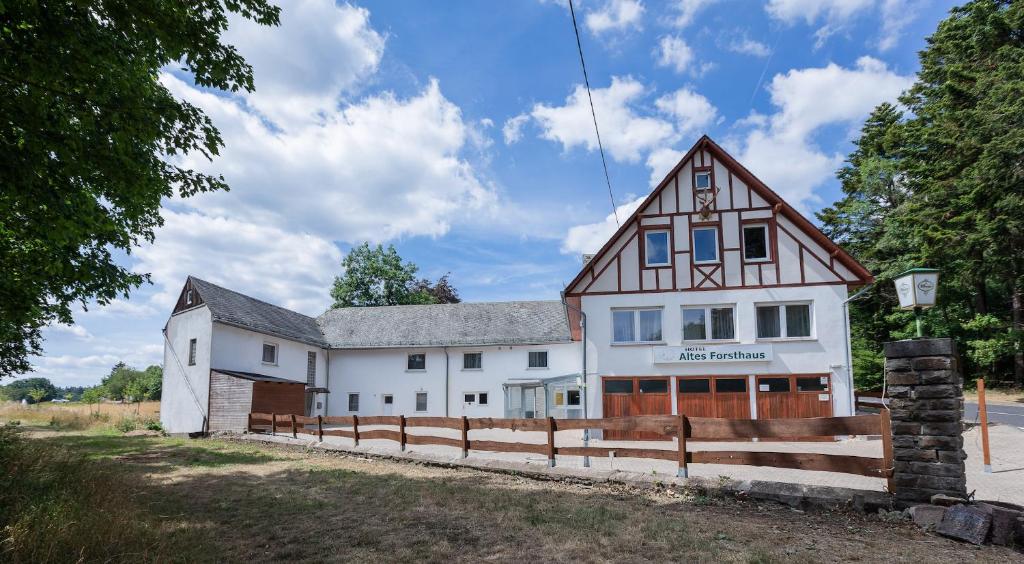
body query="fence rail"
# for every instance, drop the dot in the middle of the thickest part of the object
(683, 428)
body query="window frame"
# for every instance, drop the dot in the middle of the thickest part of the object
(783, 329)
(188, 297)
(348, 406)
(263, 353)
(408, 359)
(708, 338)
(693, 244)
(668, 248)
(698, 173)
(529, 358)
(311, 374)
(192, 346)
(636, 325)
(477, 397)
(480, 356)
(766, 229)
(426, 404)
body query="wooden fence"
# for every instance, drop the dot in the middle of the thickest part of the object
(870, 400)
(684, 428)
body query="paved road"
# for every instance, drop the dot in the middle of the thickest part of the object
(997, 413)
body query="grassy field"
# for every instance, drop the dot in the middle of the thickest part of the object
(100, 496)
(80, 416)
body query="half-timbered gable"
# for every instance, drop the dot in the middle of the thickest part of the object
(712, 225)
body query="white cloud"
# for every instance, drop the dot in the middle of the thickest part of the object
(686, 11)
(75, 330)
(320, 50)
(781, 150)
(615, 15)
(590, 237)
(293, 270)
(896, 15)
(627, 134)
(513, 128)
(692, 111)
(661, 161)
(744, 45)
(834, 15)
(673, 52)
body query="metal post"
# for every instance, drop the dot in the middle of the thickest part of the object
(683, 471)
(917, 321)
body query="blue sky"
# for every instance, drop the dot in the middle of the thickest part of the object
(459, 132)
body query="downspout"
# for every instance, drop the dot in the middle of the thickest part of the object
(848, 346)
(327, 380)
(447, 377)
(586, 388)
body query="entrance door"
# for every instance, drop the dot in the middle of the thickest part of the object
(636, 396)
(389, 404)
(719, 396)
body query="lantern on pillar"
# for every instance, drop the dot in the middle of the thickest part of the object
(916, 289)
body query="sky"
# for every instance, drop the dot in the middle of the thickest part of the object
(460, 132)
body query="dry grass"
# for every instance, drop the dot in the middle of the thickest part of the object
(1006, 396)
(80, 416)
(245, 501)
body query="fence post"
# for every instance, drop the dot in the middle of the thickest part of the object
(295, 432)
(355, 429)
(320, 428)
(248, 425)
(551, 441)
(273, 424)
(465, 436)
(401, 432)
(986, 456)
(683, 471)
(887, 457)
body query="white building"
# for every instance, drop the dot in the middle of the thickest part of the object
(717, 299)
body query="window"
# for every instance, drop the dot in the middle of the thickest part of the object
(815, 384)
(783, 321)
(468, 398)
(191, 352)
(730, 385)
(353, 402)
(478, 398)
(636, 325)
(311, 368)
(656, 251)
(704, 323)
(538, 359)
(188, 296)
(695, 386)
(755, 242)
(702, 180)
(773, 384)
(659, 386)
(389, 399)
(421, 401)
(481, 398)
(572, 397)
(705, 244)
(618, 386)
(417, 361)
(472, 361)
(564, 396)
(269, 353)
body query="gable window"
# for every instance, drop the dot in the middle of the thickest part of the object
(472, 361)
(188, 297)
(705, 244)
(538, 359)
(269, 353)
(709, 323)
(702, 180)
(636, 325)
(311, 368)
(191, 352)
(755, 242)
(421, 401)
(656, 251)
(353, 402)
(784, 321)
(416, 361)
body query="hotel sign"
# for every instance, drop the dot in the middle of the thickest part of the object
(712, 353)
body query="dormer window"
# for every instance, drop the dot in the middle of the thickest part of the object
(188, 297)
(702, 180)
(656, 251)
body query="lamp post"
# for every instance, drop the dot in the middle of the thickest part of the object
(916, 289)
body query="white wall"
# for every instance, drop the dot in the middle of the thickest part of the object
(181, 410)
(823, 353)
(373, 373)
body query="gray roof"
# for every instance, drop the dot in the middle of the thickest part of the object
(256, 377)
(233, 308)
(463, 324)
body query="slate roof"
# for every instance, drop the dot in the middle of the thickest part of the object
(233, 308)
(463, 324)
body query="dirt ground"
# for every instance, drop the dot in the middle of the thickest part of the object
(272, 503)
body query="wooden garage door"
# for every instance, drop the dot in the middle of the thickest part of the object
(718, 396)
(636, 396)
(796, 395)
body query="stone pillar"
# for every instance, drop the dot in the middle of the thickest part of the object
(927, 403)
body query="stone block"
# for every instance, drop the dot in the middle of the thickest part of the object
(914, 454)
(1004, 523)
(945, 500)
(936, 483)
(936, 469)
(965, 523)
(898, 365)
(902, 403)
(927, 516)
(900, 392)
(906, 428)
(904, 441)
(933, 363)
(932, 377)
(940, 443)
(941, 404)
(950, 456)
(920, 347)
(936, 416)
(902, 378)
(940, 391)
(941, 429)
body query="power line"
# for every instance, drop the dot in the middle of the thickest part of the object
(586, 81)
